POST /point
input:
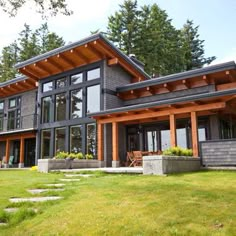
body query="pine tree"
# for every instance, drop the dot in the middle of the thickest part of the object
(193, 47)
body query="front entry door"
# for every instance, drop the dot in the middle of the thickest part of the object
(29, 152)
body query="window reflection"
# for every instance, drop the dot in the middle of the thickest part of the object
(46, 109)
(93, 99)
(76, 139)
(47, 86)
(93, 74)
(61, 83)
(60, 135)
(165, 139)
(77, 78)
(60, 107)
(76, 104)
(91, 139)
(181, 137)
(45, 143)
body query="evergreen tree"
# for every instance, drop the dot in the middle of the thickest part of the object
(29, 44)
(193, 47)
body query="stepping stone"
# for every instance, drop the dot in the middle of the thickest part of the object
(78, 175)
(55, 185)
(37, 191)
(35, 199)
(3, 224)
(69, 180)
(11, 210)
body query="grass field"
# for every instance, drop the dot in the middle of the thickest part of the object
(201, 203)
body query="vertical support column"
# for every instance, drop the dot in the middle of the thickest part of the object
(7, 154)
(115, 148)
(194, 126)
(173, 131)
(100, 144)
(22, 152)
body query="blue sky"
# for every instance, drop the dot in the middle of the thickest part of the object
(216, 19)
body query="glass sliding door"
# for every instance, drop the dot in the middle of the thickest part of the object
(91, 139)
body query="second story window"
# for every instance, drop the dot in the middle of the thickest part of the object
(46, 109)
(61, 83)
(47, 86)
(60, 107)
(93, 74)
(76, 104)
(93, 98)
(14, 113)
(77, 78)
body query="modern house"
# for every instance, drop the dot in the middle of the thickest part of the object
(89, 97)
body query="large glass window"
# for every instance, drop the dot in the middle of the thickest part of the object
(165, 139)
(93, 99)
(47, 86)
(181, 137)
(76, 139)
(45, 143)
(152, 141)
(60, 135)
(93, 74)
(77, 78)
(11, 120)
(60, 107)
(12, 103)
(61, 83)
(76, 103)
(1, 106)
(46, 109)
(91, 139)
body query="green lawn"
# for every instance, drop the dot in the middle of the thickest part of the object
(201, 203)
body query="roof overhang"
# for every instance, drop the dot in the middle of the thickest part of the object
(89, 50)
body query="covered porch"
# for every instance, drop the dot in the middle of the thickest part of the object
(190, 112)
(18, 150)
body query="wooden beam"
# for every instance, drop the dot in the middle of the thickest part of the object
(230, 76)
(7, 154)
(206, 79)
(93, 51)
(54, 64)
(103, 48)
(43, 68)
(113, 61)
(226, 86)
(144, 115)
(173, 130)
(186, 84)
(115, 148)
(66, 60)
(22, 150)
(167, 86)
(194, 125)
(29, 73)
(80, 55)
(100, 142)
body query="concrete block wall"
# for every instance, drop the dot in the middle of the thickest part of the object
(218, 153)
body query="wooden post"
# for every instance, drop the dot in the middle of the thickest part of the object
(100, 142)
(194, 126)
(7, 151)
(115, 156)
(22, 150)
(173, 131)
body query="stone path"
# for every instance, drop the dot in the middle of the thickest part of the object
(69, 180)
(11, 210)
(35, 199)
(55, 185)
(3, 224)
(78, 175)
(37, 191)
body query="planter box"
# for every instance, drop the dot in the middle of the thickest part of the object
(159, 165)
(45, 165)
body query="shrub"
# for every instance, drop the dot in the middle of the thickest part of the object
(178, 151)
(34, 168)
(62, 155)
(79, 155)
(89, 156)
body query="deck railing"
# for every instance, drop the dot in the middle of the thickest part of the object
(18, 123)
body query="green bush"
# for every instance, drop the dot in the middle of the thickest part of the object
(79, 155)
(89, 156)
(178, 151)
(62, 155)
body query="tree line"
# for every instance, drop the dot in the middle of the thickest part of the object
(145, 31)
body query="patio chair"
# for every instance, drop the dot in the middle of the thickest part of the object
(11, 160)
(137, 159)
(129, 158)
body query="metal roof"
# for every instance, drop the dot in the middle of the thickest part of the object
(15, 80)
(166, 102)
(183, 75)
